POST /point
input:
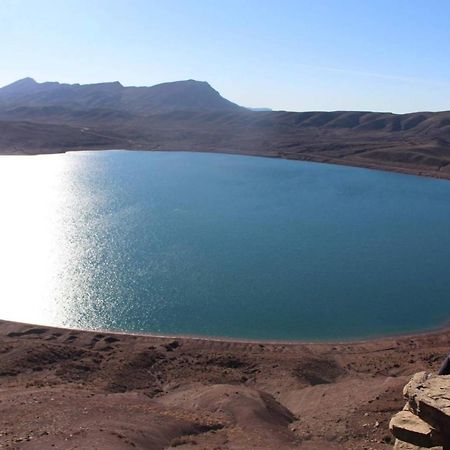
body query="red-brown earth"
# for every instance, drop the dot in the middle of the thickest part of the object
(68, 389)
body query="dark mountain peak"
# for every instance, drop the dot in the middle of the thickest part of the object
(184, 84)
(24, 83)
(192, 82)
(188, 95)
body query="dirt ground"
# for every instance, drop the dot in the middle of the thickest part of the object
(67, 389)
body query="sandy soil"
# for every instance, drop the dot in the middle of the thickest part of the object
(68, 389)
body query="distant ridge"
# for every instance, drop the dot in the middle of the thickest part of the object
(190, 115)
(178, 95)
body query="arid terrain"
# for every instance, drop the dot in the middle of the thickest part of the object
(68, 389)
(192, 116)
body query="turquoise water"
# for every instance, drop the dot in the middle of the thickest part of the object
(221, 245)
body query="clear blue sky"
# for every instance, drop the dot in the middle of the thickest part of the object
(389, 55)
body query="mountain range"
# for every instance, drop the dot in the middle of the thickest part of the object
(190, 115)
(181, 95)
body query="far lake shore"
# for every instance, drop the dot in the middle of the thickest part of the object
(385, 166)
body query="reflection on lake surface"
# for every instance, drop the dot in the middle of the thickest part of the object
(189, 243)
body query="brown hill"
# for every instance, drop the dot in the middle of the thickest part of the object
(191, 115)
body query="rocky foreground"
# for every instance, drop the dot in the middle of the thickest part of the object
(424, 422)
(69, 389)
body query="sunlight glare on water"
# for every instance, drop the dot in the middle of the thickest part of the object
(190, 243)
(32, 239)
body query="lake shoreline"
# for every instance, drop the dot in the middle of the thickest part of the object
(254, 341)
(379, 166)
(316, 275)
(63, 387)
(327, 395)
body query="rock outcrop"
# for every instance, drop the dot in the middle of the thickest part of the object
(425, 420)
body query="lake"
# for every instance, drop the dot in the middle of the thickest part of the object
(221, 245)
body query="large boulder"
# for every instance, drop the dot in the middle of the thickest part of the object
(428, 397)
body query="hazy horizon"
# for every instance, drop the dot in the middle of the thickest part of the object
(299, 56)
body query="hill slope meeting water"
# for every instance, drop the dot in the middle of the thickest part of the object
(190, 115)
